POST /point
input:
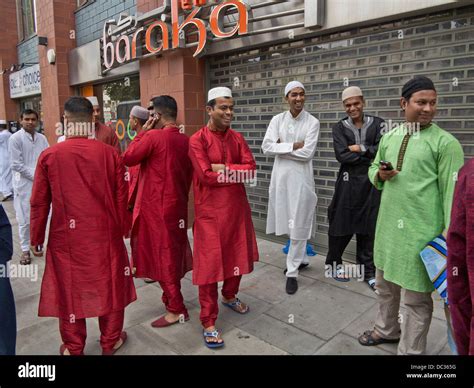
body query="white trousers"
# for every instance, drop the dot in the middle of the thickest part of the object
(6, 188)
(22, 210)
(296, 256)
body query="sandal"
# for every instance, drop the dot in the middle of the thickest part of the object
(371, 283)
(340, 276)
(236, 305)
(212, 334)
(367, 339)
(25, 258)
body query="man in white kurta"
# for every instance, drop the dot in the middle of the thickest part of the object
(292, 137)
(25, 147)
(6, 189)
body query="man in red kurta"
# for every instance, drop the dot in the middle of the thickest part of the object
(225, 247)
(103, 133)
(460, 267)
(87, 272)
(159, 239)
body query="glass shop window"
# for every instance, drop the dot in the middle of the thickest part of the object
(26, 15)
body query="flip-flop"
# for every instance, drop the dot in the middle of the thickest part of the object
(213, 334)
(371, 283)
(339, 276)
(235, 306)
(367, 339)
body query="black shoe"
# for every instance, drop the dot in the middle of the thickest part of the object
(291, 286)
(301, 266)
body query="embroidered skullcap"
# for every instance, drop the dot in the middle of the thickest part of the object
(139, 112)
(219, 92)
(351, 91)
(292, 85)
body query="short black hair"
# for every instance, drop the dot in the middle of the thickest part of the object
(79, 108)
(212, 103)
(25, 112)
(167, 106)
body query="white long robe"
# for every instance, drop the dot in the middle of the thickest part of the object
(292, 198)
(24, 154)
(6, 188)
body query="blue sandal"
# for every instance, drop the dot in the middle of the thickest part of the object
(235, 305)
(213, 334)
(340, 276)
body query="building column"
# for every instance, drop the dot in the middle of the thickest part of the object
(181, 76)
(55, 21)
(8, 56)
(178, 74)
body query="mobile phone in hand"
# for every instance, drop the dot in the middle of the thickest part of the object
(387, 166)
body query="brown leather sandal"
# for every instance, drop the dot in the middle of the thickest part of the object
(368, 339)
(25, 258)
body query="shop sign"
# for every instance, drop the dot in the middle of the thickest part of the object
(120, 39)
(26, 82)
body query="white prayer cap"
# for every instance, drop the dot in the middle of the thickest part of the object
(351, 91)
(94, 101)
(139, 112)
(292, 85)
(219, 92)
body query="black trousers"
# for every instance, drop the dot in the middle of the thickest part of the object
(365, 252)
(7, 302)
(7, 318)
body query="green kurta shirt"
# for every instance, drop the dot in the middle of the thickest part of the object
(416, 204)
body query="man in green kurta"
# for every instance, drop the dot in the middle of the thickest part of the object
(415, 207)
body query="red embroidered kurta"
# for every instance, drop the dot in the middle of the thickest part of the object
(107, 135)
(224, 236)
(133, 173)
(87, 271)
(461, 261)
(159, 240)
